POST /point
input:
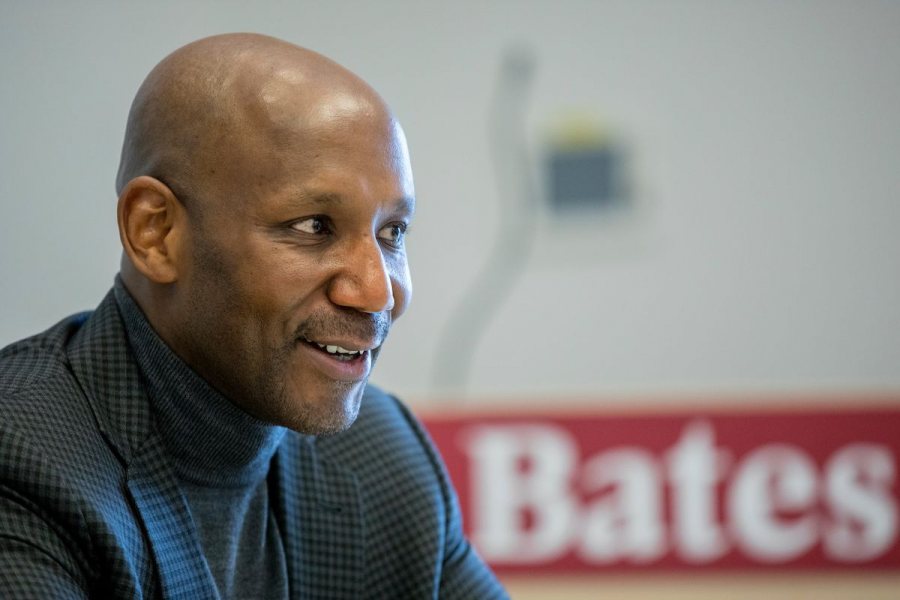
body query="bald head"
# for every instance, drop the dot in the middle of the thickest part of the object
(209, 104)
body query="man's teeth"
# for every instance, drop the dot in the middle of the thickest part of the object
(338, 349)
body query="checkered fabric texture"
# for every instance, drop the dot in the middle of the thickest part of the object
(90, 505)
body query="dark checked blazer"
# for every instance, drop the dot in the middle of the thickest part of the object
(90, 505)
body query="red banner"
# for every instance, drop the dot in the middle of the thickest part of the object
(553, 493)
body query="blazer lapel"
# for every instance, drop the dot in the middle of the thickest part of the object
(319, 512)
(183, 570)
(104, 367)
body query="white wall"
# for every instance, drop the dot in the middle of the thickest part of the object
(766, 142)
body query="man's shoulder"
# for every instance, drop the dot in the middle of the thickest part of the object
(60, 480)
(40, 396)
(38, 360)
(44, 412)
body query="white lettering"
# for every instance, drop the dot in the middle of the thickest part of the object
(858, 481)
(774, 479)
(533, 502)
(695, 469)
(503, 492)
(626, 522)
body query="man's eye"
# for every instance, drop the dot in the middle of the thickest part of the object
(312, 225)
(393, 233)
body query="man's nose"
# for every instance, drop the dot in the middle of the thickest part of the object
(363, 281)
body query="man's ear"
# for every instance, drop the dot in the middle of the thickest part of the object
(152, 226)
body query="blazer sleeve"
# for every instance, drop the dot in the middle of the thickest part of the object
(463, 574)
(34, 562)
(39, 522)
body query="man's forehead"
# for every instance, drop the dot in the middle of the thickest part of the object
(291, 98)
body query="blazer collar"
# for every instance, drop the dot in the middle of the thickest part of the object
(105, 368)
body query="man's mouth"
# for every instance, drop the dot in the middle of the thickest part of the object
(337, 352)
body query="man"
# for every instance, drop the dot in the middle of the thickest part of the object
(208, 431)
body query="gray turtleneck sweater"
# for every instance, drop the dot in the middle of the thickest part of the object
(221, 455)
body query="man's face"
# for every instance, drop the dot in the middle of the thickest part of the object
(297, 269)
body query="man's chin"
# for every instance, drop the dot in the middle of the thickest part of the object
(327, 416)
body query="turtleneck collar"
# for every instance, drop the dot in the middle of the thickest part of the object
(213, 442)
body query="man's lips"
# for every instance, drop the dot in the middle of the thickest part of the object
(342, 349)
(338, 362)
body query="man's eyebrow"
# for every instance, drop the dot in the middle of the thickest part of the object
(405, 204)
(323, 198)
(402, 204)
